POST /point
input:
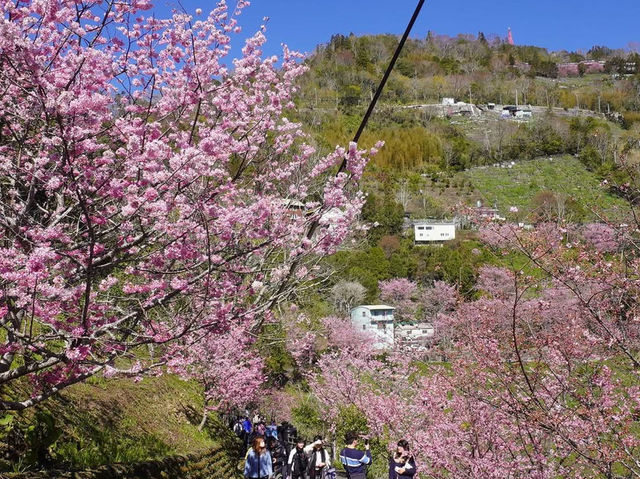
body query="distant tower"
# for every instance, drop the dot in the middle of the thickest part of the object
(510, 37)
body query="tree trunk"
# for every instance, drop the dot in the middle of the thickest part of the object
(205, 415)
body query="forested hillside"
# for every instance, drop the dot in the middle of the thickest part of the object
(589, 113)
(346, 70)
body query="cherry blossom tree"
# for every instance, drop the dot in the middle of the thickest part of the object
(542, 373)
(601, 236)
(498, 282)
(345, 374)
(438, 299)
(150, 192)
(401, 293)
(551, 365)
(414, 302)
(227, 367)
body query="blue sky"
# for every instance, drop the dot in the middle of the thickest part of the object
(555, 24)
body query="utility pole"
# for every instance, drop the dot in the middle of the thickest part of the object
(516, 98)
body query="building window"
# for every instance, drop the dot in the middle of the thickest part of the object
(364, 314)
(420, 227)
(364, 326)
(381, 326)
(428, 227)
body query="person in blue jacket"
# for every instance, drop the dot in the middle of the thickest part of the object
(246, 424)
(247, 430)
(258, 463)
(354, 460)
(402, 465)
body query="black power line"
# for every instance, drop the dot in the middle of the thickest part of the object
(383, 82)
(315, 223)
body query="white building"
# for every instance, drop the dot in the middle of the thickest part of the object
(413, 336)
(522, 114)
(433, 231)
(376, 319)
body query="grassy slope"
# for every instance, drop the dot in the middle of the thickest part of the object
(105, 421)
(518, 185)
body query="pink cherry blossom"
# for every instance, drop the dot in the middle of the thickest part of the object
(539, 368)
(148, 184)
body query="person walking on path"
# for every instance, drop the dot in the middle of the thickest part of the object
(247, 425)
(272, 430)
(354, 460)
(318, 458)
(258, 463)
(246, 437)
(298, 461)
(278, 456)
(402, 465)
(260, 428)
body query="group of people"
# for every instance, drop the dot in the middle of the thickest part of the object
(247, 430)
(313, 461)
(402, 465)
(268, 458)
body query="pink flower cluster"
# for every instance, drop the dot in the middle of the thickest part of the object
(152, 191)
(541, 368)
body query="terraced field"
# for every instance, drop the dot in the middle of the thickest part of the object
(518, 185)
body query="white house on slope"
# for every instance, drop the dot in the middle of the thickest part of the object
(414, 336)
(433, 231)
(376, 319)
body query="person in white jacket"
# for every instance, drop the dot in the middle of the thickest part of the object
(298, 461)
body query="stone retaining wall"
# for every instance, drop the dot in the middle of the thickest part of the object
(215, 464)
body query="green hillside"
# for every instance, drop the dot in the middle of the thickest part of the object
(107, 421)
(345, 71)
(527, 185)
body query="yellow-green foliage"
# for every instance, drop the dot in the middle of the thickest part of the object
(406, 149)
(117, 420)
(631, 117)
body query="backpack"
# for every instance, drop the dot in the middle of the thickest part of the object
(238, 429)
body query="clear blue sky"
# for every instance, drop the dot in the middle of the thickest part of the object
(554, 24)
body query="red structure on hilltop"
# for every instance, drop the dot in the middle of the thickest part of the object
(510, 37)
